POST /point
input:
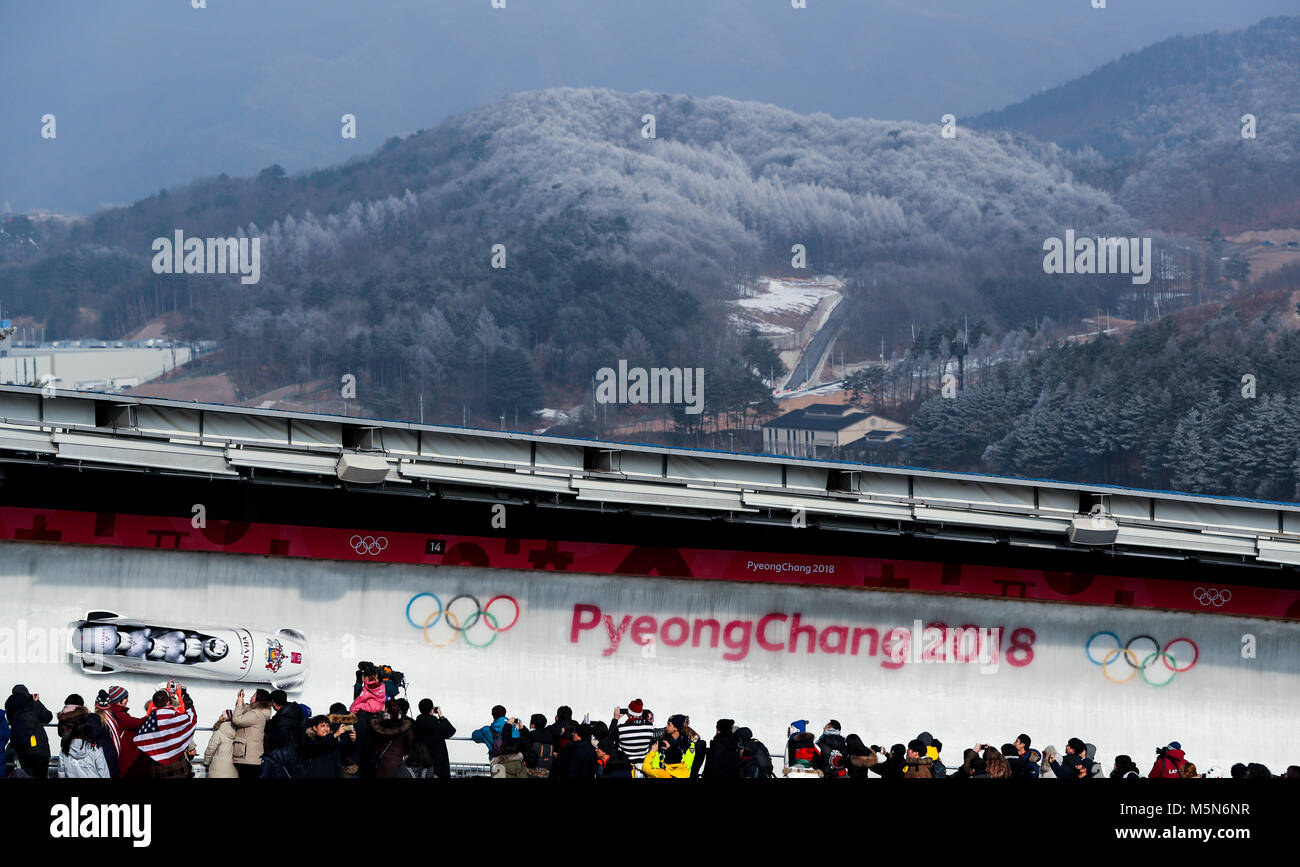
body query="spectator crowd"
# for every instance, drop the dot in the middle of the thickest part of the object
(375, 736)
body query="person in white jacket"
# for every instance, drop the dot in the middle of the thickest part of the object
(219, 756)
(80, 756)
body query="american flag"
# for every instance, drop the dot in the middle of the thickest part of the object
(166, 733)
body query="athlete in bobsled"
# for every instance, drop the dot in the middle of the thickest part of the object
(175, 646)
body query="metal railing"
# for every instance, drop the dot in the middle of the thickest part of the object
(459, 770)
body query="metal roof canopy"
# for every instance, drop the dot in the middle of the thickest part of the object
(217, 440)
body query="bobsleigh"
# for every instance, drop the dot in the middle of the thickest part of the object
(104, 643)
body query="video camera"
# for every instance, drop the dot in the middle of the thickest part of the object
(384, 672)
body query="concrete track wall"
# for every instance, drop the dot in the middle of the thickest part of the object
(702, 648)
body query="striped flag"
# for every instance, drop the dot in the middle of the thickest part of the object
(115, 731)
(166, 733)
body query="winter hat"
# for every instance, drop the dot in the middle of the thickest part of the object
(1174, 745)
(21, 691)
(744, 734)
(726, 725)
(117, 695)
(635, 706)
(925, 738)
(678, 720)
(797, 727)
(101, 700)
(608, 746)
(74, 700)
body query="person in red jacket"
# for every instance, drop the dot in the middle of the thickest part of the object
(1169, 762)
(112, 702)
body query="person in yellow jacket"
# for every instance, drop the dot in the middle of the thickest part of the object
(669, 762)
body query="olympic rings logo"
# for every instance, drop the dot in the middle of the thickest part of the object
(458, 624)
(1141, 660)
(1208, 596)
(371, 545)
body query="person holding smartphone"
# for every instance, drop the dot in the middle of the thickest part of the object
(433, 730)
(27, 719)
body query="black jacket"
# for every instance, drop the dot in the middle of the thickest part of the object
(1069, 768)
(722, 759)
(890, 769)
(580, 761)
(319, 757)
(27, 719)
(285, 729)
(433, 732)
(834, 758)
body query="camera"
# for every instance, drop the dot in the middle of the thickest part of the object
(365, 669)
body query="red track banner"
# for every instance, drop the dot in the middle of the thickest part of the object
(1181, 591)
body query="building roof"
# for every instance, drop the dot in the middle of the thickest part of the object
(817, 417)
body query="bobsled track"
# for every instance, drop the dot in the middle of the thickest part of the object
(469, 637)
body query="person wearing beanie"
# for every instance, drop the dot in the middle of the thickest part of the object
(614, 763)
(75, 713)
(667, 761)
(721, 759)
(893, 766)
(73, 706)
(1169, 762)
(633, 728)
(833, 752)
(122, 728)
(931, 752)
(27, 719)
(677, 732)
(802, 757)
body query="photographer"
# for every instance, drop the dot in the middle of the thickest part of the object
(721, 760)
(667, 761)
(433, 729)
(321, 749)
(1169, 762)
(341, 720)
(27, 719)
(367, 706)
(492, 734)
(250, 722)
(633, 727)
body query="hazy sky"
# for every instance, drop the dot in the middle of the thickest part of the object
(152, 93)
